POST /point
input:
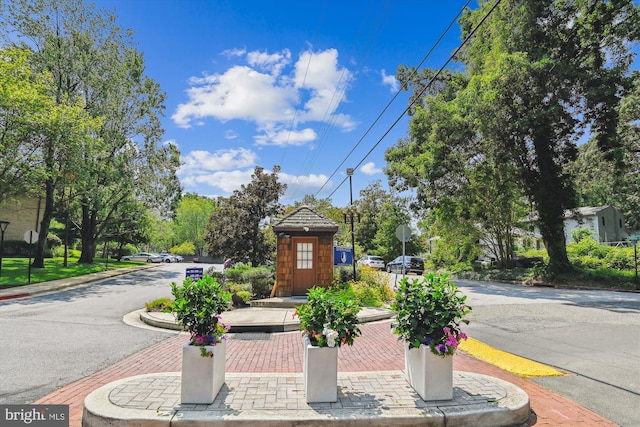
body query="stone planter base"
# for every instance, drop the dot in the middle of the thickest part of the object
(431, 376)
(202, 377)
(320, 372)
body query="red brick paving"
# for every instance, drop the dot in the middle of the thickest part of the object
(377, 349)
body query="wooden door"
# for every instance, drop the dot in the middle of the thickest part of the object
(305, 265)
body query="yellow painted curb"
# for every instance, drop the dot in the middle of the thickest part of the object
(509, 362)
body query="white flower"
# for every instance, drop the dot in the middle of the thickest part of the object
(331, 335)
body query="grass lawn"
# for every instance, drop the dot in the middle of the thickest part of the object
(15, 271)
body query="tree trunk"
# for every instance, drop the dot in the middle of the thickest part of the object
(88, 235)
(47, 214)
(551, 196)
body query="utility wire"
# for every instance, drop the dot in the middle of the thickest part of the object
(453, 21)
(411, 103)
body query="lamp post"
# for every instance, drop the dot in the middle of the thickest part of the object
(353, 239)
(3, 228)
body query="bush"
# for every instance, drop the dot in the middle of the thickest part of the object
(260, 279)
(198, 305)
(430, 311)
(164, 305)
(329, 319)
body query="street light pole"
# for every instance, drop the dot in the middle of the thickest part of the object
(353, 238)
(3, 228)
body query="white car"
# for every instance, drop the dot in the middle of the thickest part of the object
(372, 261)
(144, 257)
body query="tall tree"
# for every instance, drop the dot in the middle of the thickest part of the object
(540, 73)
(369, 205)
(238, 227)
(192, 216)
(614, 180)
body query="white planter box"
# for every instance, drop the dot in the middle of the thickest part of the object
(202, 377)
(320, 371)
(431, 376)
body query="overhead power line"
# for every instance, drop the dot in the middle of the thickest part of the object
(453, 55)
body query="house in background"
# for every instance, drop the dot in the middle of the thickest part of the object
(607, 223)
(24, 214)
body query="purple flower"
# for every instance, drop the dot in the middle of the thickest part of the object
(442, 348)
(428, 340)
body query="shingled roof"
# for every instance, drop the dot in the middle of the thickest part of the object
(303, 217)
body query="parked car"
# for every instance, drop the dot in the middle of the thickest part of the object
(410, 264)
(372, 261)
(143, 256)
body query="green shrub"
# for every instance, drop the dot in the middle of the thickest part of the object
(164, 305)
(198, 305)
(430, 311)
(620, 259)
(329, 319)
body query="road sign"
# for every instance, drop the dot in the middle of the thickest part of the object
(196, 273)
(342, 256)
(403, 233)
(31, 237)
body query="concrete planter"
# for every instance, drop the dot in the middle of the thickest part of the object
(320, 372)
(431, 376)
(202, 377)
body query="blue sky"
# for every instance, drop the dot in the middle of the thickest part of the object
(290, 83)
(300, 84)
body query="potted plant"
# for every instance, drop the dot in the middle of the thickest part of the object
(429, 313)
(327, 321)
(197, 306)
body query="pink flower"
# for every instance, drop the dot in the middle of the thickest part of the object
(452, 342)
(462, 336)
(200, 340)
(446, 330)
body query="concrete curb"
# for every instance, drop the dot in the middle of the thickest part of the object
(258, 319)
(232, 408)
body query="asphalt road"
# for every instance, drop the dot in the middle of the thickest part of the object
(594, 336)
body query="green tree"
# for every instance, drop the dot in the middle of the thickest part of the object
(370, 203)
(24, 111)
(93, 65)
(239, 228)
(192, 216)
(538, 74)
(614, 180)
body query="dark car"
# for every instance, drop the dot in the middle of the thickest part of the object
(406, 264)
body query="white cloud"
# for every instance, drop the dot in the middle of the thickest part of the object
(370, 169)
(227, 181)
(390, 81)
(199, 162)
(261, 92)
(285, 138)
(301, 184)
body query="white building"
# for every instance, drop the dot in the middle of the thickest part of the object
(606, 222)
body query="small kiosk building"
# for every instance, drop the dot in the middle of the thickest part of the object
(305, 252)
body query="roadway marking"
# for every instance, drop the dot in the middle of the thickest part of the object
(509, 362)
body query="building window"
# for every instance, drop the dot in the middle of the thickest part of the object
(620, 223)
(304, 256)
(602, 221)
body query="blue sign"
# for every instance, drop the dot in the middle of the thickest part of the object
(342, 256)
(195, 273)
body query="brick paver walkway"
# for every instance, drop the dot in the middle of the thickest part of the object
(376, 350)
